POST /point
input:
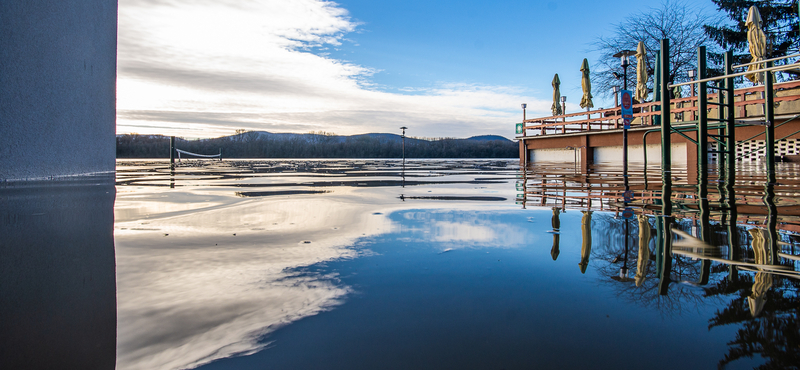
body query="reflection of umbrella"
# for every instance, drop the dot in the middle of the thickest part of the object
(641, 73)
(763, 280)
(757, 42)
(556, 108)
(644, 250)
(586, 247)
(555, 251)
(586, 100)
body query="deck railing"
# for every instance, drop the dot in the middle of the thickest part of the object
(748, 102)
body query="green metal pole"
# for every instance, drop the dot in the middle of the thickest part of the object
(702, 118)
(730, 121)
(666, 170)
(734, 250)
(769, 116)
(656, 90)
(702, 160)
(666, 131)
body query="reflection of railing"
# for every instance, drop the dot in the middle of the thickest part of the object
(602, 190)
(685, 110)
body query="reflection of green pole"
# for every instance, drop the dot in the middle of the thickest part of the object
(666, 260)
(772, 222)
(705, 232)
(659, 244)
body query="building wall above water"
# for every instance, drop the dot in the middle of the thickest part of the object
(57, 88)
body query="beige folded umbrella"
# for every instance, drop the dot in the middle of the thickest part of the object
(586, 84)
(757, 41)
(556, 108)
(641, 73)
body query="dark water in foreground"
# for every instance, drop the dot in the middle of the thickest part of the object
(361, 265)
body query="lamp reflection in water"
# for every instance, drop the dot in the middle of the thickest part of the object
(57, 275)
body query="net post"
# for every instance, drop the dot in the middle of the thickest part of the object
(172, 150)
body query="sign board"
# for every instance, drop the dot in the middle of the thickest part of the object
(628, 195)
(519, 129)
(627, 213)
(627, 108)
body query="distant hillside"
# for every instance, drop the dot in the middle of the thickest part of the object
(488, 138)
(263, 144)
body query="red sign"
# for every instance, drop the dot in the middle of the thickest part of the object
(627, 100)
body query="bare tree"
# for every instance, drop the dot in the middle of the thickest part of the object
(677, 21)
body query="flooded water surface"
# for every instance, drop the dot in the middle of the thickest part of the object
(457, 264)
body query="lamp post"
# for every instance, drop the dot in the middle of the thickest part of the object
(523, 112)
(615, 89)
(692, 73)
(404, 146)
(623, 56)
(564, 106)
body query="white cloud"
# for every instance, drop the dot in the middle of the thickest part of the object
(206, 68)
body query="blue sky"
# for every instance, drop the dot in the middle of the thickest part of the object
(205, 68)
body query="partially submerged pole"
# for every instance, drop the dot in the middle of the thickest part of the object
(769, 116)
(172, 150)
(666, 130)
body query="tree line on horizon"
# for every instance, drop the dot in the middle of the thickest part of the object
(316, 146)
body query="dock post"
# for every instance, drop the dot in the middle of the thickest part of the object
(702, 122)
(730, 124)
(666, 131)
(172, 150)
(769, 116)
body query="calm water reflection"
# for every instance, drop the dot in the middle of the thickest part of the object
(443, 264)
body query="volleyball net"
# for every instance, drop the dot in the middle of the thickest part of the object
(190, 154)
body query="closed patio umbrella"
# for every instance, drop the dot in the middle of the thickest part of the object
(586, 85)
(757, 42)
(556, 108)
(641, 73)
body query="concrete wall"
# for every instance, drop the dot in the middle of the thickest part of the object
(57, 87)
(613, 154)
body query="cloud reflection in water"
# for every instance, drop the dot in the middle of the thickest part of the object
(190, 291)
